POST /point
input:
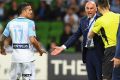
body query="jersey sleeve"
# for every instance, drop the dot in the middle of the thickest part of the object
(6, 32)
(31, 31)
(97, 26)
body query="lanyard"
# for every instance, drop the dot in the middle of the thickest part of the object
(88, 26)
(91, 23)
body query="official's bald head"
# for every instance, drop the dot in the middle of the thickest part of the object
(91, 3)
(90, 8)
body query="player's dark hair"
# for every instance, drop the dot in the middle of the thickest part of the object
(22, 7)
(103, 4)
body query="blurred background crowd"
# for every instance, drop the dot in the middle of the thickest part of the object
(56, 20)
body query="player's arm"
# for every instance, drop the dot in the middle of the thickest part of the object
(33, 39)
(36, 44)
(2, 50)
(57, 50)
(3, 36)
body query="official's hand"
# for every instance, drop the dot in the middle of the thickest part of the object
(57, 50)
(2, 51)
(116, 62)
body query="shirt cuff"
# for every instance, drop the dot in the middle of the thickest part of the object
(63, 46)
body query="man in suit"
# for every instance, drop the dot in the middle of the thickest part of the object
(92, 49)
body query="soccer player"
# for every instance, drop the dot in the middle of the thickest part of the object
(22, 32)
(107, 26)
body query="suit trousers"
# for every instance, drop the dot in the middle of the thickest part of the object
(116, 73)
(93, 65)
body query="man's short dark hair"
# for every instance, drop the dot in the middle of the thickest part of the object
(22, 6)
(103, 3)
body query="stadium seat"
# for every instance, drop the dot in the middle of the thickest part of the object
(56, 29)
(42, 31)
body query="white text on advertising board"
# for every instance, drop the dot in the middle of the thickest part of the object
(76, 67)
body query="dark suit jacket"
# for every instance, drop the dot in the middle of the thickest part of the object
(82, 30)
(117, 53)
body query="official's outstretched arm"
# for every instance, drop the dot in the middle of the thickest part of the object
(69, 42)
(74, 37)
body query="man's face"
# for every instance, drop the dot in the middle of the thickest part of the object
(90, 9)
(29, 12)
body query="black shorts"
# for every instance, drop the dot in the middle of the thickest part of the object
(107, 66)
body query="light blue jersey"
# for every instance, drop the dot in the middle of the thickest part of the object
(20, 30)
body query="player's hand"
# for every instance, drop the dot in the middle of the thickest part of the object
(116, 62)
(42, 51)
(57, 50)
(2, 51)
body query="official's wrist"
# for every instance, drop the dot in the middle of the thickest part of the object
(117, 57)
(64, 47)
